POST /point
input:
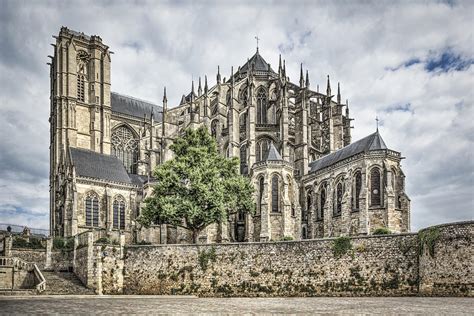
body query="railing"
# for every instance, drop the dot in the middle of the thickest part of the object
(29, 266)
(41, 286)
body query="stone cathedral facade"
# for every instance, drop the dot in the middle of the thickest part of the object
(294, 143)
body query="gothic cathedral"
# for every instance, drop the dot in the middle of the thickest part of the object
(294, 143)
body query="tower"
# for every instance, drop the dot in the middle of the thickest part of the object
(80, 111)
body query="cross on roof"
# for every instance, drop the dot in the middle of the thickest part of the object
(258, 39)
(377, 122)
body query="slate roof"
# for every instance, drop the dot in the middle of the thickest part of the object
(372, 142)
(99, 166)
(259, 62)
(273, 154)
(135, 107)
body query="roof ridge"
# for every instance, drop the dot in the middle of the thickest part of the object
(134, 98)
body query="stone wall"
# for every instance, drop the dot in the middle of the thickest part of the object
(81, 264)
(383, 265)
(446, 260)
(37, 256)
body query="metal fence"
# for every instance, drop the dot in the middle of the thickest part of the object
(19, 229)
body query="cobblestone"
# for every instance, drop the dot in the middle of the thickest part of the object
(180, 304)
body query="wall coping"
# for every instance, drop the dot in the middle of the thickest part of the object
(460, 223)
(272, 242)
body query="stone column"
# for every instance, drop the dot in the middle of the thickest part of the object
(7, 246)
(364, 227)
(328, 210)
(163, 234)
(49, 247)
(265, 231)
(346, 208)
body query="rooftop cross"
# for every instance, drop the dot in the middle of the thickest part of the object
(258, 39)
(377, 122)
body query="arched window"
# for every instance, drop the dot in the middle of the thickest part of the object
(243, 160)
(92, 210)
(82, 59)
(119, 213)
(262, 149)
(81, 87)
(261, 107)
(275, 194)
(125, 148)
(261, 186)
(214, 128)
(357, 189)
(322, 202)
(338, 200)
(375, 188)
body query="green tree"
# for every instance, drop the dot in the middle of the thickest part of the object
(198, 187)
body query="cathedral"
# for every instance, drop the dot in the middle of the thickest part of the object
(294, 144)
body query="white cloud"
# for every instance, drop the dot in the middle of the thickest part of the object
(166, 43)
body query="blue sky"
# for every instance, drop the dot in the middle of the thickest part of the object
(410, 63)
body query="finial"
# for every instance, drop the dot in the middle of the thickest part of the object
(258, 39)
(338, 93)
(165, 99)
(218, 77)
(301, 76)
(328, 89)
(205, 84)
(232, 75)
(307, 79)
(199, 87)
(377, 123)
(279, 66)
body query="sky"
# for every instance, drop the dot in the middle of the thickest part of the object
(409, 63)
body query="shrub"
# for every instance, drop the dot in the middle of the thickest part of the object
(427, 239)
(287, 238)
(61, 243)
(34, 243)
(382, 231)
(341, 246)
(103, 240)
(205, 257)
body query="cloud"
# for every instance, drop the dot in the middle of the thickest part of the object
(409, 63)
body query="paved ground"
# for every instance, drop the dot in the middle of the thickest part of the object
(179, 304)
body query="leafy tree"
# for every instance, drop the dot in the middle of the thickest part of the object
(198, 187)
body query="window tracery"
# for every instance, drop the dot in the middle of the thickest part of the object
(92, 210)
(375, 188)
(119, 213)
(125, 148)
(261, 107)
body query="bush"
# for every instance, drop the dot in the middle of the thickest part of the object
(34, 243)
(287, 238)
(341, 245)
(427, 240)
(103, 240)
(382, 231)
(61, 243)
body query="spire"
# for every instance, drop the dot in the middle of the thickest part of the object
(338, 93)
(328, 89)
(192, 89)
(232, 75)
(301, 77)
(307, 79)
(284, 68)
(347, 108)
(152, 116)
(317, 88)
(199, 87)
(218, 77)
(205, 84)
